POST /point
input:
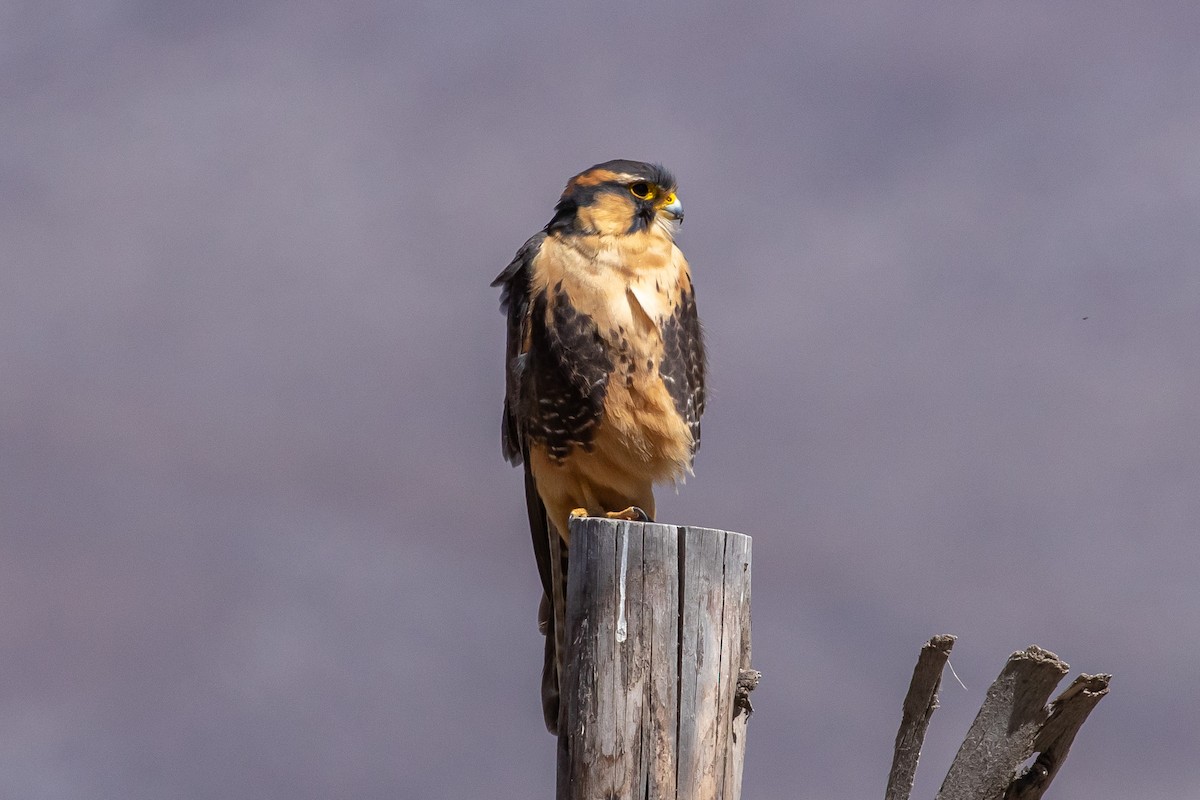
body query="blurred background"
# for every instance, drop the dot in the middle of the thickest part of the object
(256, 535)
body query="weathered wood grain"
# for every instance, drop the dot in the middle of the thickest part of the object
(657, 635)
(1004, 731)
(1014, 724)
(919, 705)
(745, 679)
(1068, 712)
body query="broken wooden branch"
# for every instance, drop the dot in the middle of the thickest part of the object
(1014, 723)
(919, 705)
(1068, 712)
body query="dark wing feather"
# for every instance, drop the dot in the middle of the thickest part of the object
(568, 373)
(514, 303)
(557, 364)
(556, 371)
(684, 363)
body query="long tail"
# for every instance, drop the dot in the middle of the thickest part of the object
(551, 554)
(552, 623)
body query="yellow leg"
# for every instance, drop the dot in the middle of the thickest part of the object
(633, 514)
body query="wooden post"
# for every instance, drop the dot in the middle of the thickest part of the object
(1014, 723)
(657, 668)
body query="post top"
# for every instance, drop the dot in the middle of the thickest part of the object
(602, 525)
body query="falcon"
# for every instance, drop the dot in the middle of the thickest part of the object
(604, 368)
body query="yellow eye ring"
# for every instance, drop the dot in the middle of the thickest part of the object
(642, 190)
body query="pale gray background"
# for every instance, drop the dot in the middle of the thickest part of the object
(257, 537)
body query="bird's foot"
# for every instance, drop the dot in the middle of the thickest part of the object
(633, 514)
(579, 513)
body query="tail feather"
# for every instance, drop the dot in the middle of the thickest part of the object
(552, 670)
(550, 694)
(551, 554)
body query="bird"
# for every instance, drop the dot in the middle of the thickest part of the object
(604, 368)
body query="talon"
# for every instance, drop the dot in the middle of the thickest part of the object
(579, 513)
(633, 514)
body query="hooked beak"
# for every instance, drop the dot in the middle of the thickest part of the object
(672, 207)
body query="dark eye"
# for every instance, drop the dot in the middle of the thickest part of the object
(642, 190)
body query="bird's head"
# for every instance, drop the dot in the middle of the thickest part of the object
(618, 198)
